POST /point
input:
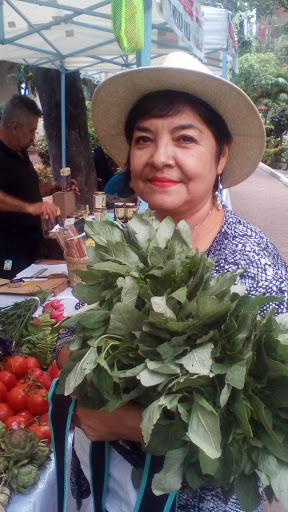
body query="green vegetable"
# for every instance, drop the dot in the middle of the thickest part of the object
(211, 373)
(15, 319)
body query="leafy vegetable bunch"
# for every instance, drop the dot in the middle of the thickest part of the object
(190, 347)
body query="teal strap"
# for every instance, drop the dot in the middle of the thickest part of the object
(106, 475)
(169, 501)
(91, 477)
(143, 482)
(51, 391)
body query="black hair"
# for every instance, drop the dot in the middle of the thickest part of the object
(19, 106)
(168, 103)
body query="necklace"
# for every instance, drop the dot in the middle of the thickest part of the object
(201, 222)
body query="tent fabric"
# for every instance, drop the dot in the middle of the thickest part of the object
(61, 35)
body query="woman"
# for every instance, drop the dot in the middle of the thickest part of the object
(183, 134)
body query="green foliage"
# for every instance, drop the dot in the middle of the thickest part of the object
(44, 173)
(269, 129)
(257, 74)
(42, 150)
(274, 157)
(279, 119)
(92, 135)
(191, 348)
(24, 76)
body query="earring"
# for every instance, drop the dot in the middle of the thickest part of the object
(218, 194)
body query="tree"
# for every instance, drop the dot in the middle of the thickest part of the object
(79, 155)
(279, 119)
(257, 72)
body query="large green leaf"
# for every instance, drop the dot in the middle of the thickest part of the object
(170, 477)
(199, 360)
(152, 413)
(124, 319)
(204, 428)
(80, 370)
(247, 490)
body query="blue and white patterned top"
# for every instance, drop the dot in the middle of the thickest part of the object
(238, 245)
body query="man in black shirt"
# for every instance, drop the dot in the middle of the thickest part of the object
(21, 205)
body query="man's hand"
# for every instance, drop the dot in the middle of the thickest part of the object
(74, 187)
(122, 423)
(44, 209)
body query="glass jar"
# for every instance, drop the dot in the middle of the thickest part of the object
(65, 176)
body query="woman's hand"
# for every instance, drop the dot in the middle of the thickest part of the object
(122, 423)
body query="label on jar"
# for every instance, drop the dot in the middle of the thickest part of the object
(100, 214)
(65, 175)
(119, 211)
(129, 210)
(99, 200)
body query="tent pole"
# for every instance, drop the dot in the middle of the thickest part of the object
(63, 119)
(2, 31)
(224, 64)
(143, 58)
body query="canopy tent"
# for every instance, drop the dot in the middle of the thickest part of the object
(59, 34)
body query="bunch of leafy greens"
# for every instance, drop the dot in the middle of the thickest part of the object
(190, 347)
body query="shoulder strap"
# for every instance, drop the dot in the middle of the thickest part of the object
(60, 412)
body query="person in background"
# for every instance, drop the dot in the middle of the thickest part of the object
(103, 169)
(21, 205)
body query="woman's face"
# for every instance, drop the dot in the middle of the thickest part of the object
(173, 163)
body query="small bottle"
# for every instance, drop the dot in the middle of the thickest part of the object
(100, 214)
(119, 212)
(129, 211)
(65, 175)
(99, 199)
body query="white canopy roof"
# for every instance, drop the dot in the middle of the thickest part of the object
(60, 34)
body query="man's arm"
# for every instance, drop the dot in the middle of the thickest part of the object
(12, 204)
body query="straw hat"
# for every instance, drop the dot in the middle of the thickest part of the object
(114, 98)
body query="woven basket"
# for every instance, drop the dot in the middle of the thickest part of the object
(73, 264)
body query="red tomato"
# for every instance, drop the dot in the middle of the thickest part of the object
(32, 362)
(45, 381)
(5, 412)
(38, 403)
(36, 373)
(15, 422)
(17, 365)
(3, 392)
(26, 415)
(8, 379)
(17, 398)
(41, 431)
(53, 371)
(44, 418)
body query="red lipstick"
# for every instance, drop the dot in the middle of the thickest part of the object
(163, 181)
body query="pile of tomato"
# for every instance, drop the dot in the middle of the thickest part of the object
(24, 395)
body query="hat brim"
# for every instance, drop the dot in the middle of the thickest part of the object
(114, 98)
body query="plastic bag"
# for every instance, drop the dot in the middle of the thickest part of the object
(128, 24)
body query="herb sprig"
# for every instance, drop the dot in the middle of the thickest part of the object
(191, 347)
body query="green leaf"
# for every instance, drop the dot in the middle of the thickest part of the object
(81, 369)
(166, 435)
(247, 490)
(159, 305)
(236, 375)
(124, 319)
(225, 395)
(279, 483)
(204, 429)
(166, 368)
(163, 234)
(151, 378)
(152, 413)
(242, 413)
(209, 466)
(130, 290)
(180, 294)
(199, 360)
(94, 319)
(170, 477)
(104, 231)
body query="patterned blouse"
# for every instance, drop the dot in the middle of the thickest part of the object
(238, 245)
